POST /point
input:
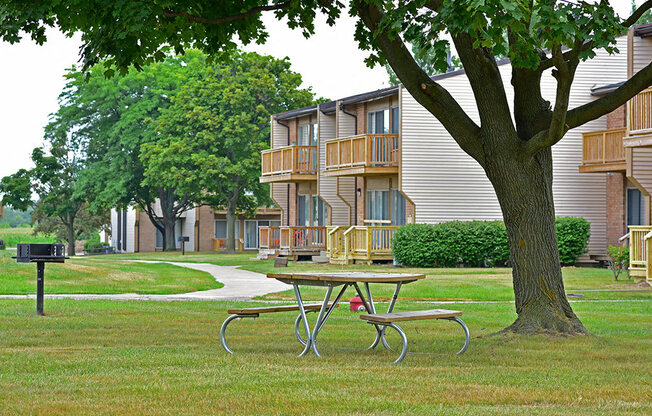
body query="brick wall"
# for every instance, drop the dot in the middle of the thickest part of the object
(146, 234)
(292, 205)
(617, 118)
(360, 200)
(616, 185)
(206, 229)
(361, 113)
(293, 125)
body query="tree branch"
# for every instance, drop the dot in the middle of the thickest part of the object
(590, 111)
(436, 99)
(637, 14)
(217, 21)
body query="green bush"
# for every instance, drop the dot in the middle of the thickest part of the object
(94, 245)
(572, 237)
(474, 243)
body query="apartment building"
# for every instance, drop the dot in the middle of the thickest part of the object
(133, 231)
(346, 173)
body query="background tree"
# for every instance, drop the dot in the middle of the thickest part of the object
(426, 58)
(53, 180)
(111, 118)
(514, 152)
(645, 17)
(212, 134)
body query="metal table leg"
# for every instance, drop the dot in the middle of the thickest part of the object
(369, 308)
(297, 293)
(320, 318)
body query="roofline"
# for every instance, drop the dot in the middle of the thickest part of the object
(643, 31)
(599, 90)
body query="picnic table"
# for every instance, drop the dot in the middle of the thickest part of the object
(344, 279)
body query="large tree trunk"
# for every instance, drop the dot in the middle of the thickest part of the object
(524, 190)
(70, 230)
(230, 227)
(169, 218)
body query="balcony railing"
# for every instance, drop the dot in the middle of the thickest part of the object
(603, 151)
(291, 240)
(289, 164)
(639, 111)
(219, 244)
(640, 251)
(364, 243)
(363, 154)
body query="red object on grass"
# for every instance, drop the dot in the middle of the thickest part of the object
(356, 304)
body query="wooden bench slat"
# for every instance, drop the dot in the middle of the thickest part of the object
(410, 316)
(271, 309)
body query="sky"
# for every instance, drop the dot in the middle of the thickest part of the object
(31, 76)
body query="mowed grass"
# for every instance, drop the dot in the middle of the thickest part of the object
(155, 358)
(100, 275)
(457, 284)
(13, 236)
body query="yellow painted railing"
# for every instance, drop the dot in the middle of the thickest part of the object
(639, 112)
(219, 244)
(605, 146)
(365, 243)
(640, 251)
(289, 159)
(362, 150)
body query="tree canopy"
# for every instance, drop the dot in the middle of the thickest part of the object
(511, 143)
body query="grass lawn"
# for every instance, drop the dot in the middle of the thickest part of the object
(101, 275)
(440, 284)
(13, 236)
(153, 358)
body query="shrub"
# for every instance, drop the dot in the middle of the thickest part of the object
(572, 237)
(91, 246)
(474, 243)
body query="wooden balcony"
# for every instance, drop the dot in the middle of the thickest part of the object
(363, 155)
(603, 151)
(289, 164)
(639, 120)
(360, 244)
(640, 251)
(219, 244)
(293, 241)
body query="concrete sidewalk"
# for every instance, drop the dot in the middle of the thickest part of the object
(239, 285)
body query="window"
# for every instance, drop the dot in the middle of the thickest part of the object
(395, 121)
(377, 205)
(314, 134)
(220, 228)
(303, 211)
(378, 122)
(398, 208)
(319, 212)
(303, 135)
(635, 207)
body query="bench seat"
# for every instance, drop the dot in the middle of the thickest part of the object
(388, 319)
(272, 309)
(410, 316)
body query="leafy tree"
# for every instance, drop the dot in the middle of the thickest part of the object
(111, 118)
(14, 218)
(513, 149)
(425, 58)
(53, 180)
(212, 134)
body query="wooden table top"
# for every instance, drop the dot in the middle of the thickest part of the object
(347, 277)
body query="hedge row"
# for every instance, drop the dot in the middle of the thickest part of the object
(476, 243)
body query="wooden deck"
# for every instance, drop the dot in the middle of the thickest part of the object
(640, 251)
(289, 164)
(367, 244)
(219, 244)
(363, 155)
(639, 120)
(603, 151)
(293, 241)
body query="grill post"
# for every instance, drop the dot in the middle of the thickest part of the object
(40, 277)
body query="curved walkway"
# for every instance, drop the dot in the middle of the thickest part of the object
(239, 285)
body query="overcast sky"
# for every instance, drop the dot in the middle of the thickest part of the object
(31, 76)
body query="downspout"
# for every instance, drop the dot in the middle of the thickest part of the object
(355, 182)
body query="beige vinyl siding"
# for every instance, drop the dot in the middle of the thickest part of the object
(346, 186)
(446, 184)
(642, 53)
(642, 168)
(279, 191)
(339, 211)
